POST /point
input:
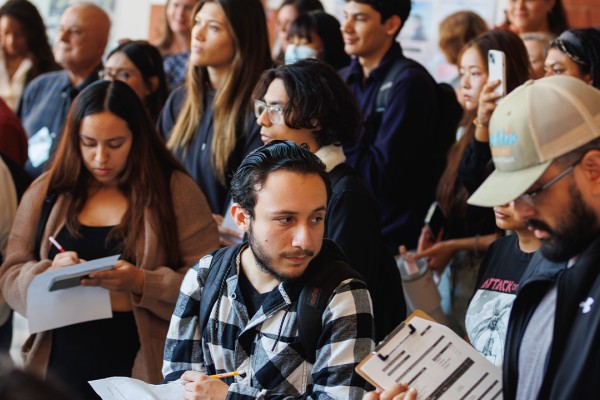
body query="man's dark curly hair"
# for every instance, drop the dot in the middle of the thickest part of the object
(277, 155)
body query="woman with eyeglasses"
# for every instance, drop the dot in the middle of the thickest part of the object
(576, 52)
(139, 64)
(208, 123)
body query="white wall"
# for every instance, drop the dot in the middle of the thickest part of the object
(130, 18)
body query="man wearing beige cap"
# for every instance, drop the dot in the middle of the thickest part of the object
(545, 142)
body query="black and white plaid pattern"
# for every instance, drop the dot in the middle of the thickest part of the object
(267, 347)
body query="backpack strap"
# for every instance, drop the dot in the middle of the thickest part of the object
(46, 209)
(218, 273)
(313, 300)
(383, 95)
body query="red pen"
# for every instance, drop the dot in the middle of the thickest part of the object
(56, 244)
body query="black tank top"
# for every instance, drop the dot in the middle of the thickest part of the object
(94, 349)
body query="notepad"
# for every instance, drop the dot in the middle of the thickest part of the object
(434, 360)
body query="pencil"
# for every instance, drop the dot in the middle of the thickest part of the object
(228, 374)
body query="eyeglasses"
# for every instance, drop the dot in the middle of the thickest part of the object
(528, 198)
(275, 113)
(118, 74)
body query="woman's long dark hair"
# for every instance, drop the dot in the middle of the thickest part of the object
(35, 32)
(145, 181)
(148, 60)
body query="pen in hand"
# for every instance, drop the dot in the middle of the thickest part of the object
(228, 374)
(56, 244)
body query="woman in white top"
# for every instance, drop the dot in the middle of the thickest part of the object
(24, 49)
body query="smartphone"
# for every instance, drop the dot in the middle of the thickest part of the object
(435, 219)
(72, 280)
(497, 70)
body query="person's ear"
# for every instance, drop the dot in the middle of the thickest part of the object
(392, 24)
(591, 167)
(241, 217)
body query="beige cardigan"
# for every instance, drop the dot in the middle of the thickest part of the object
(198, 235)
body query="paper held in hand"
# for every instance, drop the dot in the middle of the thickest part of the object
(434, 360)
(55, 298)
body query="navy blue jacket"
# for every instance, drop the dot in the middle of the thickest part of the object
(45, 104)
(196, 158)
(394, 153)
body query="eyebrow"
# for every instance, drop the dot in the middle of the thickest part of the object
(357, 14)
(289, 212)
(107, 140)
(274, 103)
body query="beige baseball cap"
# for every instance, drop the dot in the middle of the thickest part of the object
(536, 123)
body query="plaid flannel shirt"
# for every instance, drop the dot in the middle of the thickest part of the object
(267, 346)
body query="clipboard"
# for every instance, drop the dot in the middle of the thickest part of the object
(434, 360)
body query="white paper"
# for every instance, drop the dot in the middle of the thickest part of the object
(122, 388)
(48, 310)
(39, 147)
(434, 360)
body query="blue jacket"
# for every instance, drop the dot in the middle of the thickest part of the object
(394, 153)
(45, 104)
(196, 158)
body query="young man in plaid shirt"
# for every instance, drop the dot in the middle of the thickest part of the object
(280, 194)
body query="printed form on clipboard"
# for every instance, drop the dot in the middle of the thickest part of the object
(434, 360)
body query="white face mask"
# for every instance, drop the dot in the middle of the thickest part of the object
(295, 53)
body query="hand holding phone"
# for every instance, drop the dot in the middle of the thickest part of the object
(497, 70)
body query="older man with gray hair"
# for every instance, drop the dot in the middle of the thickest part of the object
(83, 34)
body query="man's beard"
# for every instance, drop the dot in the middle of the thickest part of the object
(574, 233)
(263, 261)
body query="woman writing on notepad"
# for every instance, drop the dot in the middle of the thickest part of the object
(117, 190)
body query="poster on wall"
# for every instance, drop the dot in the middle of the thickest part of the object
(419, 36)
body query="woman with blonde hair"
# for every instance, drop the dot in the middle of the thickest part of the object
(208, 123)
(173, 39)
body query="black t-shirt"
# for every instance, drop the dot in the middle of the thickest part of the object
(252, 299)
(487, 316)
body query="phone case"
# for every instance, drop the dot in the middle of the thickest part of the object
(497, 70)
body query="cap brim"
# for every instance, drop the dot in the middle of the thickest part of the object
(502, 187)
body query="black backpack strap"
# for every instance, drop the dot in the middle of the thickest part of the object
(383, 95)
(313, 300)
(46, 209)
(217, 274)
